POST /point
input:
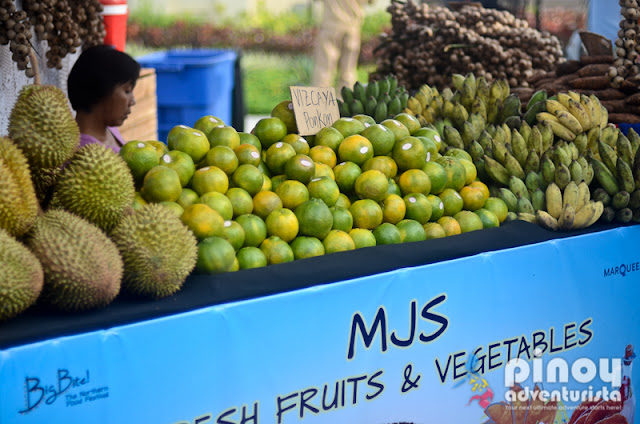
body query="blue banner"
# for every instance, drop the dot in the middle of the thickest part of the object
(522, 335)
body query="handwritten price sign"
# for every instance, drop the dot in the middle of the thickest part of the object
(314, 108)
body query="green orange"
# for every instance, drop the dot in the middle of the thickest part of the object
(329, 137)
(218, 202)
(409, 153)
(387, 233)
(292, 193)
(300, 168)
(381, 137)
(266, 202)
(215, 255)
(249, 178)
(393, 209)
(342, 219)
(366, 214)
(348, 126)
(306, 247)
(270, 131)
(234, 234)
(338, 241)
(298, 143)
(209, 178)
(241, 201)
(418, 207)
(468, 221)
(247, 154)
(414, 181)
(203, 221)
(346, 175)
(362, 237)
(224, 135)
(325, 189)
(182, 163)
(323, 154)
(282, 223)
(315, 218)
(277, 156)
(255, 229)
(251, 257)
(411, 230)
(356, 149)
(372, 185)
(161, 183)
(276, 250)
(140, 157)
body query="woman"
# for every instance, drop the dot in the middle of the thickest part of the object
(100, 87)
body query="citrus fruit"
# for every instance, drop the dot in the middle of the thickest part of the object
(276, 250)
(411, 230)
(452, 201)
(251, 257)
(498, 207)
(456, 172)
(175, 208)
(329, 137)
(215, 255)
(207, 123)
(265, 202)
(450, 226)
(384, 164)
(234, 234)
(241, 201)
(482, 187)
(362, 238)
(437, 207)
(292, 193)
(139, 202)
(387, 233)
(298, 143)
(246, 138)
(365, 119)
(381, 137)
(430, 147)
(342, 219)
(249, 178)
(397, 128)
(203, 221)
(470, 171)
(430, 133)
(323, 170)
(372, 185)
(182, 163)
(247, 154)
(210, 178)
(409, 153)
(473, 198)
(346, 175)
(394, 188)
(284, 112)
(418, 207)
(348, 126)
(410, 122)
(437, 175)
(264, 169)
(140, 157)
(315, 218)
(433, 230)
(266, 183)
(457, 153)
(282, 223)
(366, 214)
(222, 157)
(277, 156)
(270, 131)
(306, 247)
(187, 198)
(393, 209)
(300, 168)
(343, 201)
(325, 189)
(255, 230)
(414, 181)
(161, 183)
(277, 180)
(468, 221)
(323, 154)
(338, 241)
(176, 133)
(194, 143)
(356, 149)
(224, 135)
(488, 218)
(218, 202)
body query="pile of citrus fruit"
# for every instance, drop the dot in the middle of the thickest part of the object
(272, 196)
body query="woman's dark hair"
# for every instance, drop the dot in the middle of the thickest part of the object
(96, 73)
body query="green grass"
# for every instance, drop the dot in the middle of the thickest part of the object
(267, 77)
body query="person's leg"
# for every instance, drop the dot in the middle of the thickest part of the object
(348, 62)
(325, 58)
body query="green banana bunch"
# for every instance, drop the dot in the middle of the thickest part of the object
(380, 99)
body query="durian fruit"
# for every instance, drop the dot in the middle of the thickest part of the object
(157, 249)
(18, 202)
(21, 277)
(96, 185)
(82, 266)
(42, 126)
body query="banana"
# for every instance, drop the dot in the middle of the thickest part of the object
(554, 106)
(452, 137)
(479, 107)
(359, 92)
(575, 96)
(634, 200)
(584, 215)
(507, 134)
(608, 157)
(548, 170)
(467, 133)
(499, 151)
(598, 213)
(605, 177)
(423, 99)
(519, 147)
(429, 114)
(620, 200)
(546, 116)
(624, 215)
(532, 164)
(511, 106)
(596, 112)
(370, 105)
(538, 200)
(527, 216)
(347, 94)
(563, 99)
(608, 214)
(560, 156)
(485, 140)
(495, 91)
(393, 83)
(532, 112)
(569, 121)
(415, 106)
(394, 107)
(576, 172)
(568, 215)
(563, 176)
(506, 89)
(624, 149)
(575, 154)
(584, 195)
(494, 111)
(634, 139)
(345, 110)
(518, 187)
(590, 107)
(538, 96)
(553, 198)
(513, 167)
(604, 116)
(499, 135)
(592, 138)
(588, 175)
(479, 124)
(547, 221)
(357, 108)
(609, 135)
(560, 130)
(496, 171)
(509, 199)
(535, 140)
(475, 150)
(581, 142)
(483, 91)
(404, 97)
(372, 89)
(570, 195)
(380, 113)
(525, 206)
(601, 195)
(547, 136)
(383, 87)
(533, 181)
(625, 176)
